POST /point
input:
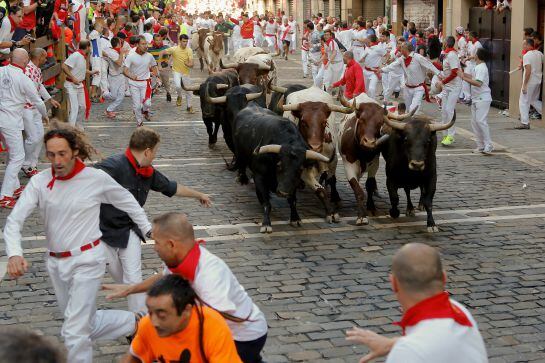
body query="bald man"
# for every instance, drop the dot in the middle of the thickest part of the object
(210, 277)
(435, 327)
(34, 128)
(16, 89)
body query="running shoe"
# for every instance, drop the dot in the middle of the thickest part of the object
(30, 171)
(17, 193)
(447, 140)
(179, 101)
(169, 97)
(488, 150)
(190, 110)
(522, 127)
(110, 114)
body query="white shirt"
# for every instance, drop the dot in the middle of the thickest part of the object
(78, 66)
(415, 72)
(345, 37)
(6, 33)
(104, 43)
(535, 59)
(218, 287)
(462, 47)
(451, 62)
(358, 34)
(148, 37)
(373, 55)
(70, 209)
(329, 48)
(111, 55)
(270, 29)
(480, 73)
(16, 89)
(139, 66)
(293, 25)
(94, 38)
(472, 50)
(440, 341)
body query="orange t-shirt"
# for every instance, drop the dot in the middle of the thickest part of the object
(219, 346)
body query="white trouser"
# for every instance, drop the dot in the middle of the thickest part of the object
(466, 87)
(316, 69)
(371, 81)
(104, 75)
(293, 43)
(125, 266)
(258, 40)
(450, 98)
(304, 60)
(96, 65)
(479, 123)
(117, 91)
(271, 43)
(138, 93)
(34, 130)
(16, 158)
(178, 78)
(531, 98)
(333, 73)
(413, 97)
(246, 43)
(391, 84)
(76, 281)
(76, 98)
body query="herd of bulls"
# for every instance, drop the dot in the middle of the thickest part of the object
(295, 139)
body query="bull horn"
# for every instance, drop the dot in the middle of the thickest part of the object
(382, 139)
(343, 100)
(313, 155)
(401, 117)
(193, 87)
(263, 67)
(222, 86)
(228, 65)
(291, 107)
(221, 99)
(253, 96)
(397, 125)
(278, 89)
(337, 108)
(440, 127)
(272, 148)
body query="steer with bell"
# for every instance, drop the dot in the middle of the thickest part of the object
(276, 153)
(411, 162)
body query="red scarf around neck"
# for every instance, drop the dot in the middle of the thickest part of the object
(475, 40)
(85, 90)
(18, 66)
(372, 44)
(435, 307)
(188, 267)
(78, 167)
(146, 171)
(448, 50)
(408, 61)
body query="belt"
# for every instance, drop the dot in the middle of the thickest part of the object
(415, 86)
(356, 45)
(75, 252)
(270, 35)
(426, 90)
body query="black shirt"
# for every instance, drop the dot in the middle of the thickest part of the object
(116, 224)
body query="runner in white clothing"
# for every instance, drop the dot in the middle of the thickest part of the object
(270, 34)
(372, 59)
(435, 327)
(532, 63)
(115, 56)
(69, 196)
(470, 61)
(481, 98)
(359, 36)
(333, 69)
(137, 69)
(211, 279)
(16, 89)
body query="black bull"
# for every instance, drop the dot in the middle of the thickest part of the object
(276, 153)
(411, 163)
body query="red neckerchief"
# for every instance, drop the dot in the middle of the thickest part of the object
(78, 166)
(397, 52)
(118, 50)
(85, 90)
(156, 45)
(271, 21)
(438, 65)
(372, 44)
(18, 66)
(146, 171)
(329, 41)
(475, 40)
(188, 267)
(448, 50)
(435, 307)
(12, 23)
(459, 36)
(408, 60)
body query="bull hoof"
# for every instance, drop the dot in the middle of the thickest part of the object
(394, 213)
(211, 145)
(329, 219)
(420, 207)
(410, 212)
(242, 179)
(433, 229)
(362, 221)
(336, 218)
(296, 223)
(266, 229)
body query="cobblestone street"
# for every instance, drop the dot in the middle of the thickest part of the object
(316, 281)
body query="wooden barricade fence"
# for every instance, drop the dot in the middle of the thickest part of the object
(59, 48)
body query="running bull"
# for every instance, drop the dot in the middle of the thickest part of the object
(276, 153)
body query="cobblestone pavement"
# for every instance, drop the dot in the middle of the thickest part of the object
(316, 281)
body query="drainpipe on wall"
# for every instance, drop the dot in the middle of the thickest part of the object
(448, 28)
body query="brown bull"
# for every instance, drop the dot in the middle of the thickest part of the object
(249, 73)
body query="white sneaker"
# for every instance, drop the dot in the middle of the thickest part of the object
(478, 150)
(488, 150)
